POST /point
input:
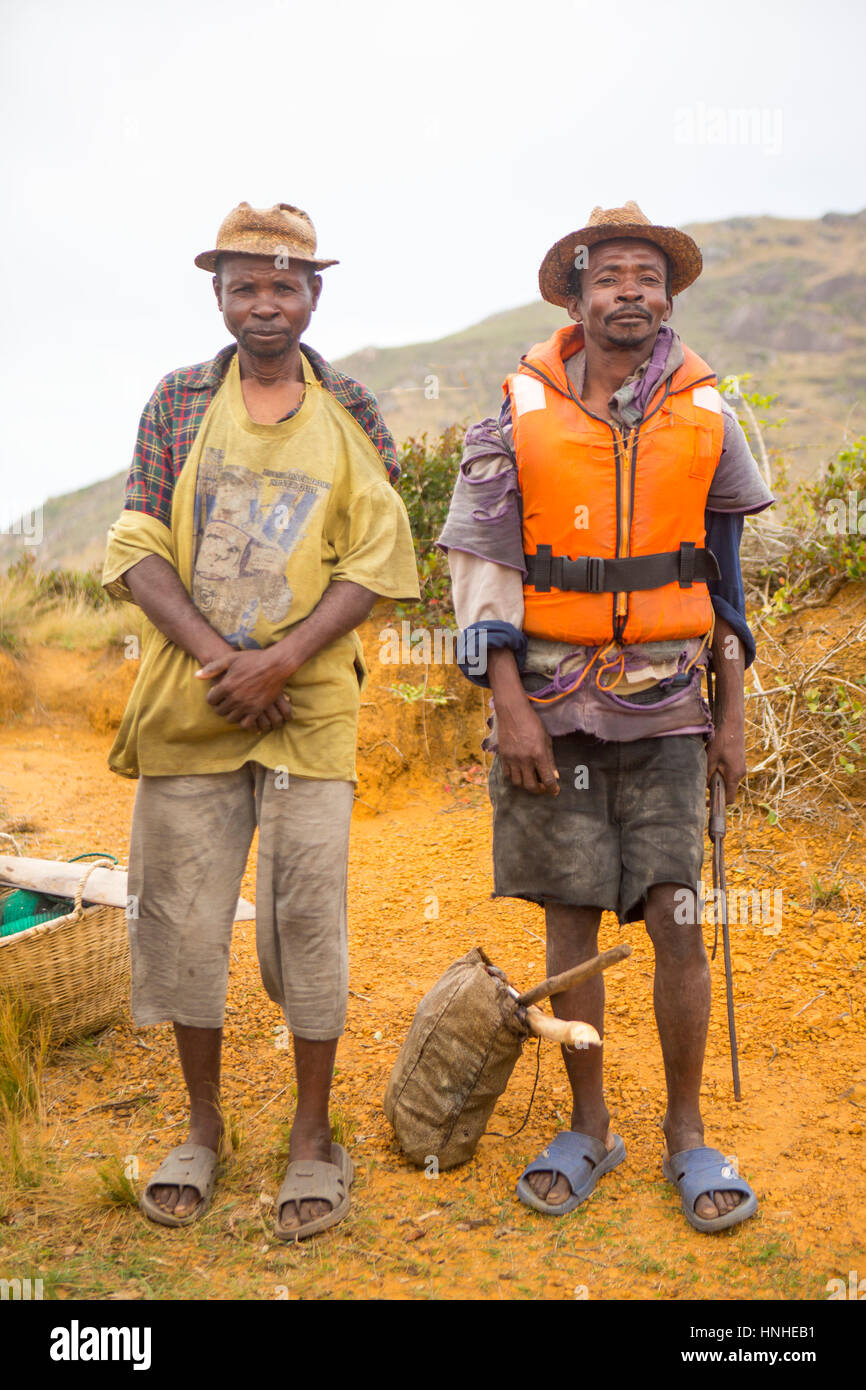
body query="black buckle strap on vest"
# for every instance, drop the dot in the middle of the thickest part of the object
(585, 574)
(591, 574)
(540, 573)
(687, 564)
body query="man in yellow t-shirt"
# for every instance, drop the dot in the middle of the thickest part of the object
(260, 526)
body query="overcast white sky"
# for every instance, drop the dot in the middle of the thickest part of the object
(440, 148)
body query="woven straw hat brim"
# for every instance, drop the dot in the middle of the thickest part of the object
(207, 259)
(682, 252)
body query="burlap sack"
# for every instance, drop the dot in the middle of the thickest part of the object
(461, 1049)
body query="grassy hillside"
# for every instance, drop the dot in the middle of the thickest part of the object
(784, 299)
(73, 527)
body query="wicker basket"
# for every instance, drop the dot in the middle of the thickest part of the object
(75, 968)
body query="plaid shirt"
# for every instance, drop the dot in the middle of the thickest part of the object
(173, 416)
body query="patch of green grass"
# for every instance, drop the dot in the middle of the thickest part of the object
(64, 608)
(825, 895)
(23, 1159)
(411, 694)
(18, 608)
(25, 1036)
(343, 1126)
(80, 1051)
(51, 1281)
(765, 1253)
(235, 1134)
(117, 1187)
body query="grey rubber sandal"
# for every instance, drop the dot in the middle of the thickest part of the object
(311, 1180)
(189, 1165)
(694, 1171)
(580, 1159)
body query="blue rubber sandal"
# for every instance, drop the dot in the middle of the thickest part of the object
(694, 1171)
(580, 1159)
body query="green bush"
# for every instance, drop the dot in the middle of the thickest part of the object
(65, 608)
(830, 519)
(66, 585)
(428, 473)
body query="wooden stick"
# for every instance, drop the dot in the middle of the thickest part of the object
(561, 1030)
(107, 886)
(557, 983)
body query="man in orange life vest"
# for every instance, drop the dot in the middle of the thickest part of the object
(593, 540)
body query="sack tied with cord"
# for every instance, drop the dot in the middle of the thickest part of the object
(462, 1047)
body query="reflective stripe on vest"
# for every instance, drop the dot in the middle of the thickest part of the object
(590, 489)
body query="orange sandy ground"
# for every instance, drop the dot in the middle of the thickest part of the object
(797, 1134)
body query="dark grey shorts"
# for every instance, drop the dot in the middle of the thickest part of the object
(628, 815)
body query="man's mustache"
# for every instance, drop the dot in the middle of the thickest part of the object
(628, 314)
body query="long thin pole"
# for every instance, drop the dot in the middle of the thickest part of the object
(718, 826)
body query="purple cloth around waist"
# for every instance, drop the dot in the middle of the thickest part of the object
(613, 719)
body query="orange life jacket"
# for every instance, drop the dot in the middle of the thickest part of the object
(613, 521)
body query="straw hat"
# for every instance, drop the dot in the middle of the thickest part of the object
(278, 231)
(608, 224)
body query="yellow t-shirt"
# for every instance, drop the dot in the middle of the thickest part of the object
(263, 518)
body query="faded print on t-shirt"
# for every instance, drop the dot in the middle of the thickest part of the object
(247, 524)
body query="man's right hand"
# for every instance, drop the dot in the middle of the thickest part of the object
(524, 745)
(248, 689)
(526, 751)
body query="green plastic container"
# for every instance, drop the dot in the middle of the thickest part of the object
(24, 909)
